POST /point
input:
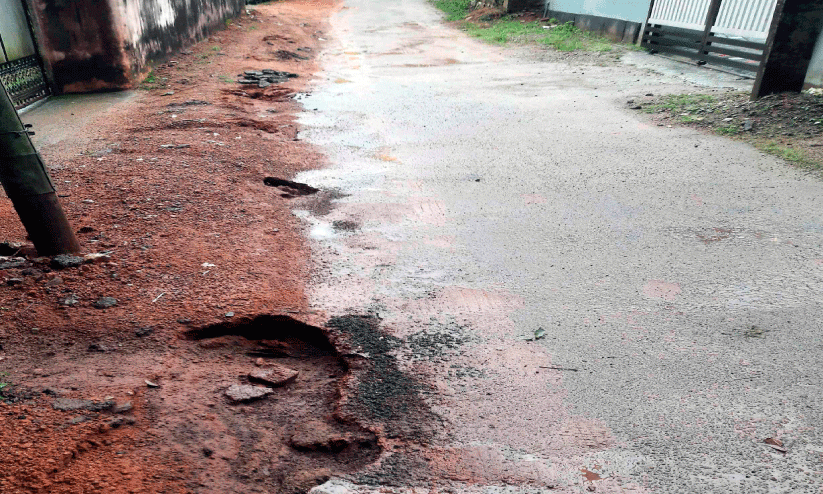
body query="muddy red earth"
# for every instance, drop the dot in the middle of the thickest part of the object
(143, 369)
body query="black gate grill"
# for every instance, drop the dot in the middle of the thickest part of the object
(24, 80)
(724, 32)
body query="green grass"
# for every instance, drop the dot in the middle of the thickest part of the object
(454, 9)
(728, 130)
(152, 82)
(563, 37)
(226, 79)
(2, 383)
(785, 152)
(681, 103)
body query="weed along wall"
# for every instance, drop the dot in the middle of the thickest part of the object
(94, 45)
(619, 20)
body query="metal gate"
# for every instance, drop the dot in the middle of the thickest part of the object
(725, 32)
(20, 69)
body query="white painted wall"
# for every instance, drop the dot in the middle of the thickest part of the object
(814, 75)
(627, 10)
(15, 31)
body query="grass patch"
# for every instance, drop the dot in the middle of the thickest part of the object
(727, 130)
(153, 82)
(563, 37)
(681, 103)
(689, 119)
(507, 29)
(226, 79)
(787, 153)
(455, 9)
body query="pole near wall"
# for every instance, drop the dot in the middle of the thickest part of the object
(27, 183)
(789, 47)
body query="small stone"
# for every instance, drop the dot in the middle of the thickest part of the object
(748, 125)
(260, 362)
(263, 84)
(78, 420)
(67, 404)
(635, 107)
(168, 93)
(64, 261)
(277, 375)
(122, 408)
(14, 281)
(57, 280)
(208, 452)
(151, 384)
(229, 314)
(98, 347)
(649, 94)
(31, 272)
(12, 263)
(96, 257)
(69, 301)
(105, 303)
(118, 421)
(184, 320)
(245, 392)
(143, 332)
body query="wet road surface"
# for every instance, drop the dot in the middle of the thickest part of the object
(673, 278)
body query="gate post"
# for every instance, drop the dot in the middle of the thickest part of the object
(792, 37)
(27, 183)
(711, 18)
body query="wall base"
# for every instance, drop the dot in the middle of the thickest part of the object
(615, 29)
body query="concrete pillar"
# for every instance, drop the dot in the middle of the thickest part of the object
(789, 47)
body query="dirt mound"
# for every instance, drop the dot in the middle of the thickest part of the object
(114, 372)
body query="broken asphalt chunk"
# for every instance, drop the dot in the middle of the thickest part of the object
(274, 376)
(64, 261)
(69, 404)
(105, 303)
(240, 393)
(775, 444)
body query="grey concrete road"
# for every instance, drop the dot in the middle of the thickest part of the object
(675, 279)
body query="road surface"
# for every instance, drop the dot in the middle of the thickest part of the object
(486, 196)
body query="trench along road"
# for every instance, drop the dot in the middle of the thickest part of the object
(590, 302)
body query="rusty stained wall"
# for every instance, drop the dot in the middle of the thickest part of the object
(94, 45)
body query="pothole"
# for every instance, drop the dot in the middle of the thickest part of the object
(322, 203)
(345, 225)
(292, 438)
(384, 393)
(289, 188)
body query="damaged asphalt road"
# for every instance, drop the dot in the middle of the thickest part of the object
(489, 193)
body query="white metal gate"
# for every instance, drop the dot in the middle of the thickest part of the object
(20, 69)
(726, 32)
